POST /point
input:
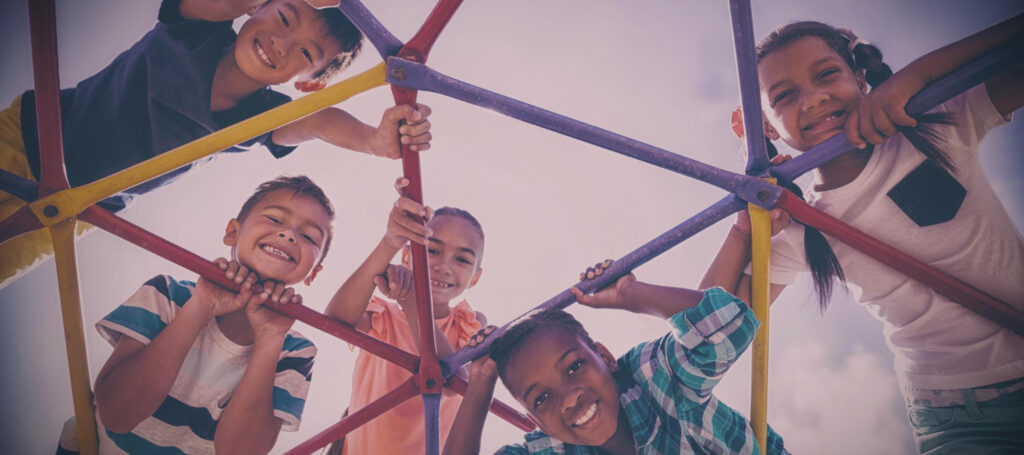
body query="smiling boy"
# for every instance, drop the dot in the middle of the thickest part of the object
(199, 369)
(654, 400)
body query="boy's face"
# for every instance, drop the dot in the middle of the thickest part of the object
(808, 92)
(282, 236)
(284, 39)
(566, 386)
(453, 255)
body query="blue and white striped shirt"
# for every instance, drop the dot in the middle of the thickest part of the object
(187, 419)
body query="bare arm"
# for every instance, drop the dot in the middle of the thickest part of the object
(726, 270)
(468, 426)
(217, 10)
(248, 425)
(137, 377)
(349, 303)
(399, 125)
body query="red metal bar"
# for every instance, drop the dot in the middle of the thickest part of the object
(418, 48)
(17, 223)
(334, 432)
(210, 271)
(42, 20)
(510, 414)
(943, 283)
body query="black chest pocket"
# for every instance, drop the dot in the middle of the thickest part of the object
(928, 195)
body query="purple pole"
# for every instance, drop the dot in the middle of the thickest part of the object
(750, 94)
(382, 39)
(421, 77)
(650, 250)
(431, 418)
(952, 84)
(23, 188)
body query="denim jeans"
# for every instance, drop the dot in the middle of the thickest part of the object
(991, 427)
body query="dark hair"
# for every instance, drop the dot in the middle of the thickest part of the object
(925, 137)
(338, 27)
(299, 184)
(519, 330)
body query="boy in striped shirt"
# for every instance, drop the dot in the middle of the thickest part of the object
(654, 400)
(199, 369)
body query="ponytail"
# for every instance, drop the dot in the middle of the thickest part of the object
(926, 137)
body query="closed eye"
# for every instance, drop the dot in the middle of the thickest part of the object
(781, 96)
(828, 72)
(284, 20)
(464, 260)
(309, 56)
(310, 239)
(272, 219)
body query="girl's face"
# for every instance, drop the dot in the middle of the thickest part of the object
(453, 255)
(807, 92)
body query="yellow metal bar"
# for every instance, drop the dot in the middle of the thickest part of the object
(761, 238)
(71, 202)
(63, 236)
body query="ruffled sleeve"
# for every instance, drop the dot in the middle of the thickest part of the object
(461, 325)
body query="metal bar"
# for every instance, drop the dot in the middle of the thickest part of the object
(381, 39)
(42, 17)
(750, 94)
(418, 48)
(210, 271)
(71, 202)
(379, 406)
(502, 410)
(17, 223)
(711, 215)
(420, 77)
(969, 75)
(21, 187)
(63, 238)
(761, 239)
(943, 283)
(431, 422)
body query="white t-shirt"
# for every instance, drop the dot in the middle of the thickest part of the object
(938, 344)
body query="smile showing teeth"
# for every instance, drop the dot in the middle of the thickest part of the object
(828, 118)
(276, 252)
(263, 55)
(586, 416)
(440, 284)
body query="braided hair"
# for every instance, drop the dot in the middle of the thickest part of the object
(925, 136)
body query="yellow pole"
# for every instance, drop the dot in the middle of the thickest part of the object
(761, 238)
(71, 202)
(63, 237)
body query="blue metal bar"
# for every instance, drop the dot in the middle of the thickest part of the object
(420, 77)
(382, 39)
(711, 215)
(25, 189)
(431, 419)
(971, 74)
(750, 93)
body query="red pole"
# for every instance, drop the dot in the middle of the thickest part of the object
(43, 25)
(943, 283)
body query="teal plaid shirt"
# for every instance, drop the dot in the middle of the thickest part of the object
(665, 387)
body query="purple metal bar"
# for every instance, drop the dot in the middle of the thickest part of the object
(25, 189)
(971, 74)
(750, 93)
(431, 420)
(382, 39)
(421, 77)
(711, 215)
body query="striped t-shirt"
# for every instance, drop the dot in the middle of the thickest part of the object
(187, 419)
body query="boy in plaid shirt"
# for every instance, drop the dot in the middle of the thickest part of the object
(654, 400)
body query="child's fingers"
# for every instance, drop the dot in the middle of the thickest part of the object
(410, 206)
(414, 131)
(853, 130)
(382, 283)
(222, 263)
(884, 124)
(899, 116)
(424, 110)
(286, 296)
(231, 270)
(400, 184)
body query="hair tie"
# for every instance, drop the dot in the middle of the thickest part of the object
(856, 42)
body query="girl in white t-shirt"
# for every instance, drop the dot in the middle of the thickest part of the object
(922, 192)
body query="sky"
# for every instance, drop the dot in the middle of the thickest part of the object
(662, 72)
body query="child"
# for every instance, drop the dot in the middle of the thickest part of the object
(190, 76)
(654, 400)
(199, 369)
(962, 375)
(455, 248)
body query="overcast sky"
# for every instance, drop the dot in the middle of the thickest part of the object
(661, 72)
